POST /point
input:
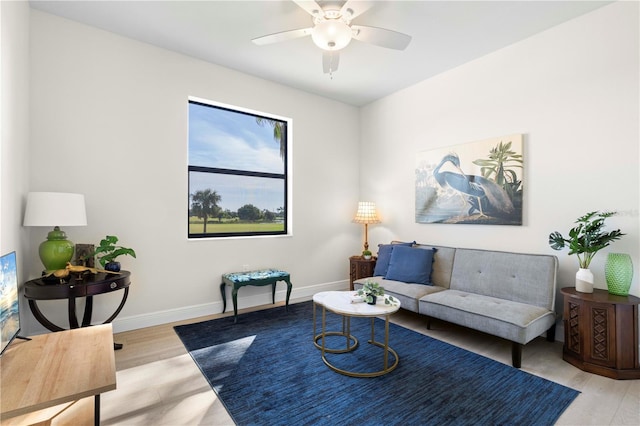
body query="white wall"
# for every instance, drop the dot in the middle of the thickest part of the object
(572, 91)
(109, 120)
(14, 125)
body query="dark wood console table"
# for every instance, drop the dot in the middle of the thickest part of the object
(88, 286)
(601, 333)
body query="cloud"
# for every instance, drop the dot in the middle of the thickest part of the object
(233, 143)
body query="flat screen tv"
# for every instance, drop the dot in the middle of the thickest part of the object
(9, 306)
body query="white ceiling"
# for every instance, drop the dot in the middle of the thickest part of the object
(445, 35)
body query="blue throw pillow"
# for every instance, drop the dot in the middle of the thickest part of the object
(410, 265)
(384, 256)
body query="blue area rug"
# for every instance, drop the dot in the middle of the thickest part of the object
(267, 371)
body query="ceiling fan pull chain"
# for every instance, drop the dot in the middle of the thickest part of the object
(331, 67)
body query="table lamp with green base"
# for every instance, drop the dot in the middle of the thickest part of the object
(55, 209)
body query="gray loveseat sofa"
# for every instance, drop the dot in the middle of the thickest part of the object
(509, 295)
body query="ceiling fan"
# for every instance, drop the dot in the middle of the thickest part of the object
(333, 30)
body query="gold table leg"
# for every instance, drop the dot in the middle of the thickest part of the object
(385, 346)
(346, 332)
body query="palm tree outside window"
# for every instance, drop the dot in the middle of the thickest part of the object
(238, 171)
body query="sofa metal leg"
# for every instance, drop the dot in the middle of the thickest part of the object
(551, 333)
(516, 354)
(428, 323)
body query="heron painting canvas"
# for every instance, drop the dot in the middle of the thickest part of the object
(474, 183)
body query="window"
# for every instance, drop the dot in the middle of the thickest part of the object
(238, 177)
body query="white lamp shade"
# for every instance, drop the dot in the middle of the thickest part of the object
(366, 213)
(55, 209)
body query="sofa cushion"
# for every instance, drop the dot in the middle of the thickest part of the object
(518, 322)
(384, 256)
(410, 265)
(520, 277)
(408, 294)
(442, 264)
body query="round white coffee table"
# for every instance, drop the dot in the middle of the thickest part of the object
(340, 302)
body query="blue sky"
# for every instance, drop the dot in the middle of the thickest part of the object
(8, 269)
(231, 140)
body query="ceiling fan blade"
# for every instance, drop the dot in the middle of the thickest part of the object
(352, 9)
(311, 7)
(282, 36)
(330, 61)
(381, 37)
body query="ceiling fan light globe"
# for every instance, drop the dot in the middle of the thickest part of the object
(331, 34)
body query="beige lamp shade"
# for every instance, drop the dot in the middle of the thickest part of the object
(366, 214)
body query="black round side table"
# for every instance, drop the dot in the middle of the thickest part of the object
(87, 286)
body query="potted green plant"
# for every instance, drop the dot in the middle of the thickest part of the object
(366, 254)
(371, 290)
(108, 251)
(585, 240)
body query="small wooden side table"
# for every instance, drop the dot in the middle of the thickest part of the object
(601, 333)
(359, 267)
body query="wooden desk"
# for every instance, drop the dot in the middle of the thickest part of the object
(57, 368)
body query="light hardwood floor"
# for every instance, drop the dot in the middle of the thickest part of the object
(159, 384)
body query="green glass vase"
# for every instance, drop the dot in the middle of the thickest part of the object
(618, 271)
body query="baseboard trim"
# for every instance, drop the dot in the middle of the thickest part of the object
(189, 312)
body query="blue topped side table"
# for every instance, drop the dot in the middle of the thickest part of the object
(255, 278)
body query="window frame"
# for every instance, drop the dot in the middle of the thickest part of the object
(285, 176)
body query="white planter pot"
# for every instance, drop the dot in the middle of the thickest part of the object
(584, 281)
